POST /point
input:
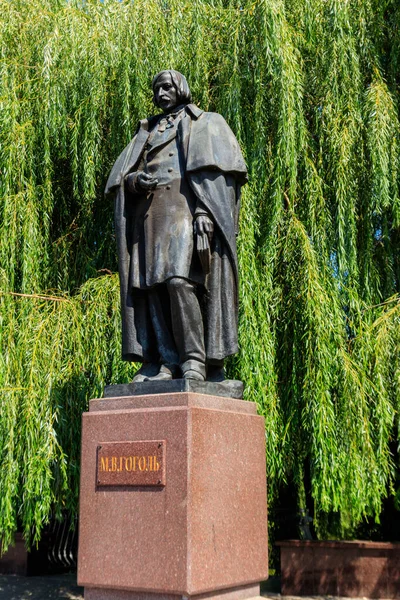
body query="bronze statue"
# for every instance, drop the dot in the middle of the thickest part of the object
(177, 194)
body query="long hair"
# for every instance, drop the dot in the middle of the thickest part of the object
(179, 82)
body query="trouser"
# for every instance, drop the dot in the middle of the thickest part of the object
(178, 323)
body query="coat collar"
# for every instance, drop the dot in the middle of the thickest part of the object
(148, 124)
(194, 110)
(135, 148)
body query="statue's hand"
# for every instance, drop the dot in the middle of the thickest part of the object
(146, 181)
(140, 182)
(204, 226)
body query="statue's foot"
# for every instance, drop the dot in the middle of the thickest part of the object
(193, 369)
(165, 373)
(190, 374)
(146, 370)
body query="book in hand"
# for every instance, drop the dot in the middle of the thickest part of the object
(204, 251)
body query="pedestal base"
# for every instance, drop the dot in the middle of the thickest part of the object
(199, 529)
(251, 592)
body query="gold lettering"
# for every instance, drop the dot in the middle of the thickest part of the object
(129, 463)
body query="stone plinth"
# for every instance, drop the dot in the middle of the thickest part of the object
(354, 569)
(230, 388)
(202, 529)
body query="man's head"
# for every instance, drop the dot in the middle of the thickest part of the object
(170, 89)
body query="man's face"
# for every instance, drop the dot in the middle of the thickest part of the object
(165, 93)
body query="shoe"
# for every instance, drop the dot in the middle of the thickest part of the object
(145, 371)
(193, 369)
(165, 373)
(190, 374)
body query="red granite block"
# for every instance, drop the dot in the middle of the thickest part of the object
(240, 593)
(206, 528)
(393, 576)
(372, 572)
(227, 505)
(327, 567)
(352, 569)
(347, 558)
(297, 572)
(133, 534)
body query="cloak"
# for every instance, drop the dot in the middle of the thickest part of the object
(215, 170)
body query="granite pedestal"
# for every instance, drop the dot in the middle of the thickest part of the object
(197, 527)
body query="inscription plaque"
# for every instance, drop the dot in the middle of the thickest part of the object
(139, 463)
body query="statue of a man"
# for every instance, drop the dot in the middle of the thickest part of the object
(177, 191)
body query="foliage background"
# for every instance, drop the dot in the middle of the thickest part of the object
(311, 89)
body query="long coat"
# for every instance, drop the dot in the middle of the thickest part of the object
(215, 171)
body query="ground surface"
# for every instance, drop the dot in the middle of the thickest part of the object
(64, 587)
(52, 587)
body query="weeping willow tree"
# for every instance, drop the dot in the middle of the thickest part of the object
(311, 90)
